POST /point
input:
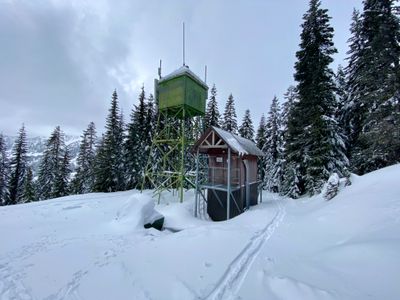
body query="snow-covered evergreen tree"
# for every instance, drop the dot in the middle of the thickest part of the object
(340, 92)
(331, 187)
(246, 129)
(61, 185)
(353, 111)
(374, 83)
(261, 133)
(291, 180)
(52, 178)
(314, 142)
(83, 181)
(230, 119)
(137, 144)
(291, 97)
(109, 175)
(212, 116)
(4, 172)
(271, 149)
(287, 171)
(18, 169)
(29, 194)
(260, 142)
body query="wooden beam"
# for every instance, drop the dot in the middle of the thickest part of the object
(213, 147)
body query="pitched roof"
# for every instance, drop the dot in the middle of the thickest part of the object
(184, 70)
(237, 144)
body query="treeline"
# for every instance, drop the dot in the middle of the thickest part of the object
(112, 162)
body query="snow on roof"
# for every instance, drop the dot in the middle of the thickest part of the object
(238, 144)
(184, 70)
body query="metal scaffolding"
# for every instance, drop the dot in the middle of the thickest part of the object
(170, 165)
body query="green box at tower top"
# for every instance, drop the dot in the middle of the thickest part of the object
(182, 90)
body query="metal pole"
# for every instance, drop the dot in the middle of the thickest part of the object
(228, 196)
(182, 175)
(196, 197)
(184, 43)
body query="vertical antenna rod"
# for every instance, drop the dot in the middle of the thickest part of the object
(205, 73)
(184, 43)
(159, 70)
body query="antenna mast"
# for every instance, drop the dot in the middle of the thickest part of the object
(159, 70)
(183, 38)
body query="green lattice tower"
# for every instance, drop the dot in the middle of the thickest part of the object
(181, 98)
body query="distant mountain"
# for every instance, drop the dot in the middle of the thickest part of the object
(36, 146)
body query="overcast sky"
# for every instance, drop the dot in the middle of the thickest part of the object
(61, 60)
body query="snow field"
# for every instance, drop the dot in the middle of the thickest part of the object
(94, 246)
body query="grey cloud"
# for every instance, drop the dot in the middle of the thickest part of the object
(60, 61)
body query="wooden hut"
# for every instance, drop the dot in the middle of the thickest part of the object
(229, 183)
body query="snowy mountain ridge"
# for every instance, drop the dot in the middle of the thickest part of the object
(36, 146)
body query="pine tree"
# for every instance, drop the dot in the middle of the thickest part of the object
(109, 175)
(271, 149)
(61, 186)
(212, 116)
(137, 143)
(260, 142)
(229, 123)
(261, 133)
(375, 85)
(314, 143)
(354, 111)
(52, 178)
(288, 171)
(18, 168)
(246, 130)
(84, 178)
(29, 187)
(291, 98)
(340, 92)
(4, 171)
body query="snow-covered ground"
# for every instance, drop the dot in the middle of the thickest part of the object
(95, 247)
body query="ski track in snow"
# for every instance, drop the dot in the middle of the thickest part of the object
(230, 283)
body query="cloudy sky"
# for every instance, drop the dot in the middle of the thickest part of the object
(61, 60)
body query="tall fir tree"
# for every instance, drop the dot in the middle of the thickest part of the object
(29, 194)
(374, 83)
(18, 169)
(212, 116)
(230, 119)
(137, 143)
(289, 171)
(109, 175)
(291, 98)
(83, 181)
(314, 142)
(353, 111)
(246, 129)
(272, 150)
(340, 92)
(4, 172)
(61, 184)
(260, 142)
(51, 178)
